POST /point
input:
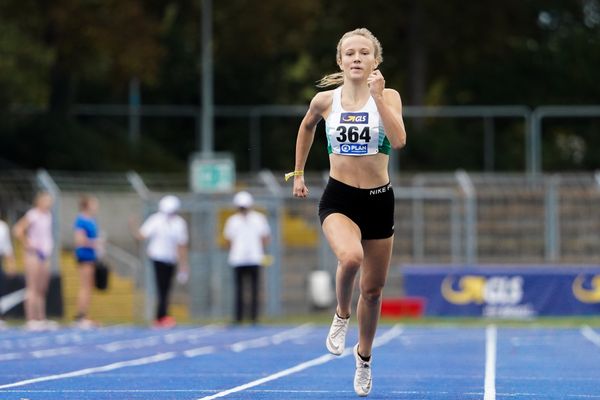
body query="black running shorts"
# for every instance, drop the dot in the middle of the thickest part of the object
(371, 209)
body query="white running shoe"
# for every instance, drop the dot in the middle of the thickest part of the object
(3, 325)
(50, 325)
(336, 339)
(34, 325)
(362, 376)
(85, 324)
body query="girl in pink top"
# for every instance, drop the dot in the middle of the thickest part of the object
(34, 231)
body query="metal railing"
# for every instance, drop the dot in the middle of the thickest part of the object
(468, 189)
(533, 120)
(552, 219)
(535, 129)
(459, 218)
(17, 189)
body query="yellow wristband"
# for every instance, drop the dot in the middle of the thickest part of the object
(294, 173)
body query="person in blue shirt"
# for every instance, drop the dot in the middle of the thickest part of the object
(86, 246)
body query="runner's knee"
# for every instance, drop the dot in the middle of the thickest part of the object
(371, 293)
(351, 260)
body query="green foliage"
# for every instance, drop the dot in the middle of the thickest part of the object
(23, 67)
(54, 54)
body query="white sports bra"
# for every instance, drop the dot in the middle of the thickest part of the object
(355, 133)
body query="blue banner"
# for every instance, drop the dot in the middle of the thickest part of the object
(510, 291)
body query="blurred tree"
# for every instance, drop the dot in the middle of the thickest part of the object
(534, 52)
(110, 40)
(23, 63)
(263, 50)
(53, 46)
(487, 52)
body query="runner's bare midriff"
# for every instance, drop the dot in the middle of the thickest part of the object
(362, 172)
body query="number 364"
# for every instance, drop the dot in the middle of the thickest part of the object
(351, 134)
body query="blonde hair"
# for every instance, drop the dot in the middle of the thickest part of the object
(337, 78)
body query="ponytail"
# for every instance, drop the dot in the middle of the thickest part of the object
(335, 79)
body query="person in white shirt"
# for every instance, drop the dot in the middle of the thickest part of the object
(247, 234)
(167, 236)
(6, 258)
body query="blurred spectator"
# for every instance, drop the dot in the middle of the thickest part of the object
(6, 258)
(86, 247)
(247, 234)
(34, 231)
(167, 236)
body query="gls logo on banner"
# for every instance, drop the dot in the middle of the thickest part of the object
(355, 118)
(353, 148)
(587, 290)
(481, 290)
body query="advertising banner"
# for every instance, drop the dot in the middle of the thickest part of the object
(507, 291)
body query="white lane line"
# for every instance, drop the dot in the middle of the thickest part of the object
(130, 344)
(193, 334)
(171, 391)
(170, 338)
(10, 356)
(60, 338)
(264, 341)
(155, 340)
(276, 339)
(491, 338)
(200, 351)
(395, 331)
(60, 351)
(300, 367)
(283, 391)
(590, 335)
(87, 371)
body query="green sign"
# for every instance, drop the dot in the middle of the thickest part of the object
(212, 174)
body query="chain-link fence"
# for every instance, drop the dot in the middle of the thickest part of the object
(456, 218)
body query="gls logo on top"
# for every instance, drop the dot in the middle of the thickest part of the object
(355, 118)
(353, 148)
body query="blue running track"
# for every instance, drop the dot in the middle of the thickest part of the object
(291, 362)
